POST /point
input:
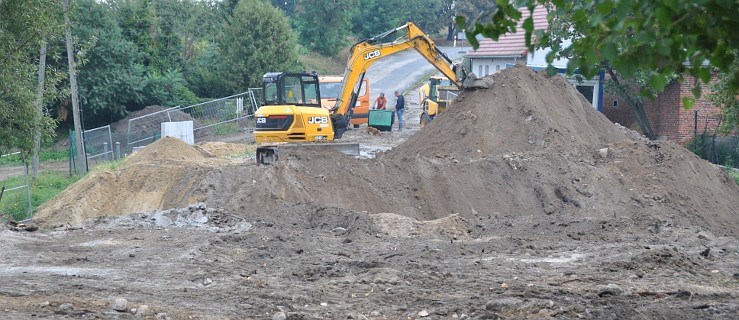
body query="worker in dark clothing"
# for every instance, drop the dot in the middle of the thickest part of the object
(399, 109)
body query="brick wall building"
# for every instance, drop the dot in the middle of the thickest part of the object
(666, 113)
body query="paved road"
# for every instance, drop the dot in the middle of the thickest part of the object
(402, 70)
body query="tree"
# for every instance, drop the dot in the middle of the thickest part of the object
(256, 39)
(633, 89)
(200, 36)
(722, 96)
(474, 10)
(287, 6)
(428, 15)
(372, 17)
(111, 73)
(23, 26)
(323, 25)
(666, 37)
(124, 70)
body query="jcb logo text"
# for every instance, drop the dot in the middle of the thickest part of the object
(373, 54)
(314, 120)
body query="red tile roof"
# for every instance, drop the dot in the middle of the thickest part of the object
(512, 44)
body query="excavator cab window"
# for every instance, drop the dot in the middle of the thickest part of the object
(330, 90)
(270, 93)
(293, 90)
(312, 89)
(434, 83)
(299, 89)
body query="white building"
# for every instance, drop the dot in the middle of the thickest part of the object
(510, 49)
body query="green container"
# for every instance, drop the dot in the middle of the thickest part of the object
(381, 119)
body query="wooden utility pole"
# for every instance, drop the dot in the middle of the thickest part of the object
(39, 107)
(80, 156)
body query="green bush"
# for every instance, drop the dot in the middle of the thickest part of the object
(719, 153)
(734, 174)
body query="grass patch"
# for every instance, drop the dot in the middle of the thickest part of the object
(110, 165)
(313, 61)
(46, 155)
(225, 129)
(46, 186)
(733, 173)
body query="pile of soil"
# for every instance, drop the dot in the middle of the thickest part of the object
(168, 149)
(559, 214)
(523, 111)
(162, 175)
(529, 150)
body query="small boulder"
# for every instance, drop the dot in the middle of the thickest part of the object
(66, 307)
(120, 305)
(143, 311)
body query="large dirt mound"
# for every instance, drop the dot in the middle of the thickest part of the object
(162, 175)
(523, 111)
(529, 155)
(168, 149)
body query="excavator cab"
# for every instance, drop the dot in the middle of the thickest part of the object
(299, 89)
(435, 97)
(291, 112)
(291, 109)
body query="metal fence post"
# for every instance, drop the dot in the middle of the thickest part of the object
(28, 191)
(117, 150)
(105, 151)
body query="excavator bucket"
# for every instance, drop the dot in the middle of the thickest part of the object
(268, 154)
(473, 82)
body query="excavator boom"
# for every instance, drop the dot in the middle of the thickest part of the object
(366, 52)
(292, 110)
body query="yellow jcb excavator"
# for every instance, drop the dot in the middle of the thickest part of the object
(291, 110)
(435, 96)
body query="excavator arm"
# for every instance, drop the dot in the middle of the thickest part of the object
(291, 110)
(366, 52)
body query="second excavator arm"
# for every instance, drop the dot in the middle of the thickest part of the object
(366, 52)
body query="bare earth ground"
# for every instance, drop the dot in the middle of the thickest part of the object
(522, 203)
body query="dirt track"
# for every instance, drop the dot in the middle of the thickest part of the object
(523, 203)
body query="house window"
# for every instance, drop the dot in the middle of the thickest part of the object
(587, 92)
(487, 70)
(480, 68)
(615, 103)
(497, 67)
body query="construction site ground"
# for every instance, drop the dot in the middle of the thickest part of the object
(520, 202)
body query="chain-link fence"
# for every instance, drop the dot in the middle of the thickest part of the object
(216, 113)
(221, 116)
(146, 129)
(98, 145)
(15, 198)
